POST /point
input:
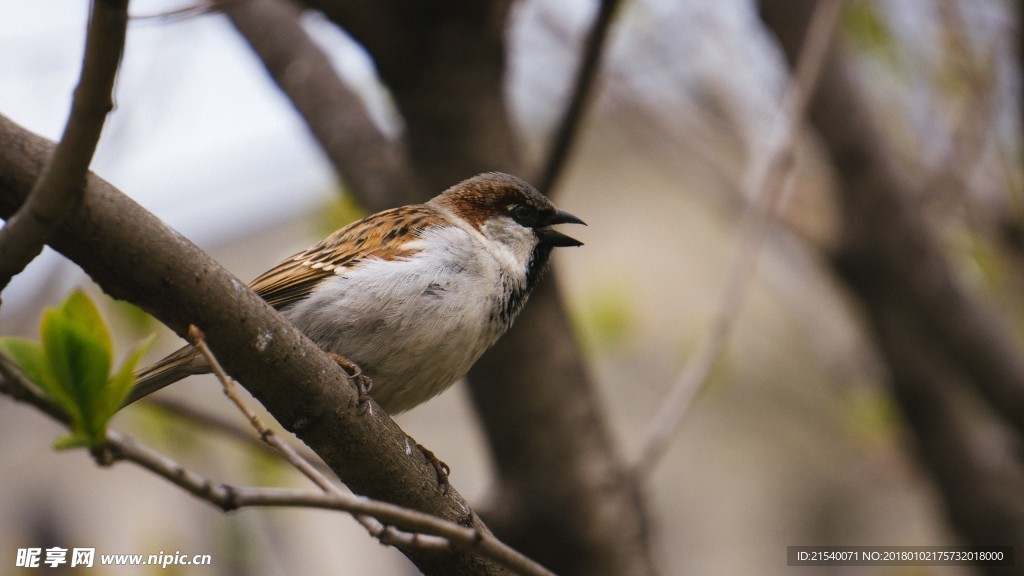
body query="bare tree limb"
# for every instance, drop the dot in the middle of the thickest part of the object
(766, 185)
(133, 256)
(376, 167)
(57, 192)
(582, 97)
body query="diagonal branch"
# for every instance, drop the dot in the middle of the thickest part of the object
(376, 167)
(767, 182)
(582, 97)
(133, 256)
(268, 436)
(58, 189)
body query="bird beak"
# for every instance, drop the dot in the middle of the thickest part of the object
(556, 238)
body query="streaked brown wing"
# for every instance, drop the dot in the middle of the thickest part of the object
(380, 235)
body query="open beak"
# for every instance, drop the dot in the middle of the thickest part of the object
(554, 237)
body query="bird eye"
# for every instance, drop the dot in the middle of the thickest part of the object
(525, 214)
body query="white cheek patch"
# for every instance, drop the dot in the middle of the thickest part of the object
(511, 243)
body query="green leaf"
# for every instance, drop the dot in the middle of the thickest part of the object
(78, 360)
(83, 314)
(72, 367)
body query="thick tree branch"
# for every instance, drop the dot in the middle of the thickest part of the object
(885, 227)
(894, 264)
(58, 189)
(133, 256)
(566, 132)
(376, 167)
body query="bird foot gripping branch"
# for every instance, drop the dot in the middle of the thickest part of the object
(362, 382)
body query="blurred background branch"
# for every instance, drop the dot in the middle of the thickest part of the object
(768, 178)
(935, 334)
(566, 133)
(375, 166)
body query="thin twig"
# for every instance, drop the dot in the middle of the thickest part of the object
(58, 190)
(15, 384)
(579, 103)
(200, 8)
(415, 529)
(270, 439)
(227, 497)
(229, 428)
(767, 182)
(335, 497)
(432, 532)
(268, 436)
(265, 433)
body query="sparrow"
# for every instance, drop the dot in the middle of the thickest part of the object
(409, 297)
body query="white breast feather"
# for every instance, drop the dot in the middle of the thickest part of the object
(414, 325)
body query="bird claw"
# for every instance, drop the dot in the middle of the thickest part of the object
(362, 382)
(441, 469)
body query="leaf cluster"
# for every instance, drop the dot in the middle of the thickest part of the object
(71, 365)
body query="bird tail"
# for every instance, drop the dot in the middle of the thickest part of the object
(186, 361)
